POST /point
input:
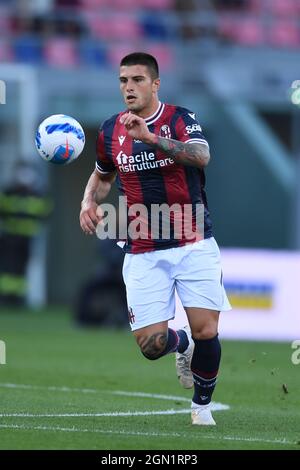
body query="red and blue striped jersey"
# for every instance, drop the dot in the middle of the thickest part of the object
(148, 176)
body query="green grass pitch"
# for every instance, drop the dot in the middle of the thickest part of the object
(63, 387)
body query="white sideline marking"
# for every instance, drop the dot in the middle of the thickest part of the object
(92, 390)
(81, 415)
(214, 406)
(150, 395)
(55, 389)
(151, 434)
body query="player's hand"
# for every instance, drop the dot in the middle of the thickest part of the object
(137, 128)
(90, 216)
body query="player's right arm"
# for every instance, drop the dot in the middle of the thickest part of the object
(97, 188)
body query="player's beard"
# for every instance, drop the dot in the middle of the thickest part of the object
(137, 108)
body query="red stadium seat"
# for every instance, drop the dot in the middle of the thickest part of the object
(61, 52)
(6, 53)
(249, 32)
(125, 26)
(126, 4)
(226, 27)
(161, 51)
(255, 6)
(93, 4)
(115, 27)
(284, 7)
(163, 54)
(5, 24)
(117, 52)
(284, 33)
(159, 4)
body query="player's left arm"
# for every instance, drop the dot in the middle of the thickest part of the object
(193, 154)
(187, 153)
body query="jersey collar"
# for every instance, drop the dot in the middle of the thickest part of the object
(151, 119)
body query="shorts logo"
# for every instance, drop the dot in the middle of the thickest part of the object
(131, 316)
(165, 132)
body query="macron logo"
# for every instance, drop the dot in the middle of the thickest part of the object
(121, 139)
(192, 115)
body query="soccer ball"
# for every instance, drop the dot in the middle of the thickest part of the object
(60, 139)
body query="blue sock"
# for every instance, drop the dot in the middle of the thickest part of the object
(177, 341)
(205, 366)
(183, 341)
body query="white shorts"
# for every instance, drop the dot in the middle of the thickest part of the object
(151, 278)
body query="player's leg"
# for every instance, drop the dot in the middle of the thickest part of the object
(151, 303)
(200, 288)
(205, 361)
(157, 340)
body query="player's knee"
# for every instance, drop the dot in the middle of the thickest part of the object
(153, 346)
(205, 332)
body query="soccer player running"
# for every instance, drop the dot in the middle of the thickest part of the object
(158, 153)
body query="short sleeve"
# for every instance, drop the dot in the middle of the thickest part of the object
(104, 163)
(188, 129)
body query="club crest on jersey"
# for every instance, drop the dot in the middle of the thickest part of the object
(165, 131)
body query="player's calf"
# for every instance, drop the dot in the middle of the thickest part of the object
(158, 344)
(153, 346)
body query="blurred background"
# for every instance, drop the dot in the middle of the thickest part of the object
(236, 64)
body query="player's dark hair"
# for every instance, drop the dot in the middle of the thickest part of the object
(141, 58)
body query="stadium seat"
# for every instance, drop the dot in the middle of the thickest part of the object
(284, 7)
(93, 4)
(92, 53)
(117, 51)
(164, 55)
(226, 27)
(255, 6)
(126, 4)
(249, 32)
(158, 4)
(5, 23)
(63, 4)
(61, 52)
(115, 27)
(6, 52)
(154, 27)
(28, 49)
(126, 26)
(161, 51)
(284, 33)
